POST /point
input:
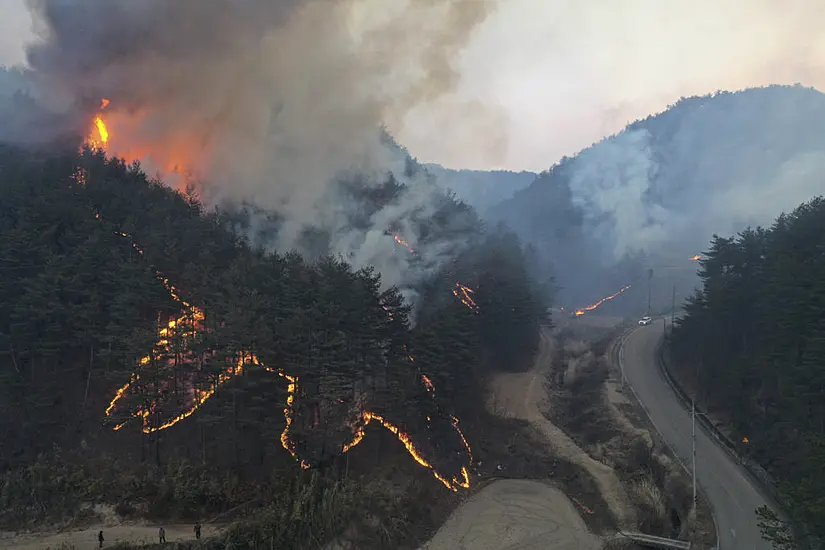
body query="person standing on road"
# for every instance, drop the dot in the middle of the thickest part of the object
(197, 530)
(100, 539)
(162, 535)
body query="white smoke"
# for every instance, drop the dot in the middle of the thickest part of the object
(735, 161)
(652, 196)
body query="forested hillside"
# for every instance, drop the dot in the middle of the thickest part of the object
(481, 189)
(753, 341)
(652, 195)
(151, 358)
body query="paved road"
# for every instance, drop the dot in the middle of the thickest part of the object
(731, 493)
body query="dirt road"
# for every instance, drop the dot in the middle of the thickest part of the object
(521, 396)
(524, 514)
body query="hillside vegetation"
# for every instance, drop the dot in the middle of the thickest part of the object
(753, 342)
(95, 259)
(481, 189)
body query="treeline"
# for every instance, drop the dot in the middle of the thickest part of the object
(753, 341)
(81, 307)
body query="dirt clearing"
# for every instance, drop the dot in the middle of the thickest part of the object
(523, 396)
(522, 514)
(516, 515)
(87, 538)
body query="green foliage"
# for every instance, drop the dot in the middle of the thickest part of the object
(774, 530)
(59, 485)
(754, 338)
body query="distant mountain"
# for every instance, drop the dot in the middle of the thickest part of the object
(478, 188)
(652, 195)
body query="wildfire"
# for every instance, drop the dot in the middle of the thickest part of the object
(465, 296)
(427, 383)
(113, 131)
(286, 442)
(696, 257)
(405, 244)
(453, 484)
(99, 138)
(591, 307)
(188, 324)
(463, 293)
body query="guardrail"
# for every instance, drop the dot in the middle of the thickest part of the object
(619, 360)
(757, 473)
(656, 542)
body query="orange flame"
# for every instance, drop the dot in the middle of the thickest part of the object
(99, 137)
(111, 133)
(591, 307)
(697, 257)
(464, 294)
(404, 243)
(287, 443)
(402, 436)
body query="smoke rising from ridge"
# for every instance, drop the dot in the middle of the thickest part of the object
(265, 101)
(653, 195)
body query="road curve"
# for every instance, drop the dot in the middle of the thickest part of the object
(733, 496)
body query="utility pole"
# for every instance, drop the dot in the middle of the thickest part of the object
(621, 358)
(649, 285)
(673, 309)
(693, 438)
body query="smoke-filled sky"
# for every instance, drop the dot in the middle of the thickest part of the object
(543, 78)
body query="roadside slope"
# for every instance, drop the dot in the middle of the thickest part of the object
(521, 396)
(522, 514)
(732, 495)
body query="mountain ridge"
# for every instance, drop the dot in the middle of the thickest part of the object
(652, 194)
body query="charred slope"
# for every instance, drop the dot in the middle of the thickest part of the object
(652, 195)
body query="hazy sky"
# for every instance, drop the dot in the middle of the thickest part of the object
(544, 78)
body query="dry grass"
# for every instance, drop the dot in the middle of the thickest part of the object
(652, 503)
(587, 404)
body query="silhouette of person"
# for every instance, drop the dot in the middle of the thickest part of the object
(198, 530)
(162, 534)
(100, 539)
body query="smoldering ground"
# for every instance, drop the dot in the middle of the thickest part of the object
(266, 102)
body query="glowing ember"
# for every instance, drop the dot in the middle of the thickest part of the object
(591, 307)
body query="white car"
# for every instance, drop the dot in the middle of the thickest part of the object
(645, 320)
